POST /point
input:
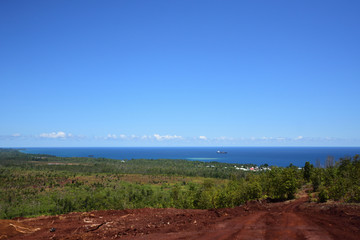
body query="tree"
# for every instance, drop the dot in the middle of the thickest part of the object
(329, 162)
(307, 171)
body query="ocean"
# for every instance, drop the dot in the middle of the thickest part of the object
(274, 156)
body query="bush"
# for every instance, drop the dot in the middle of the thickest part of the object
(353, 194)
(323, 195)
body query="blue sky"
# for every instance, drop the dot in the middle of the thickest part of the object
(179, 73)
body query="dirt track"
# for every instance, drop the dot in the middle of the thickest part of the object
(296, 219)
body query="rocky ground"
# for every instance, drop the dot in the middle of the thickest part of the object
(296, 219)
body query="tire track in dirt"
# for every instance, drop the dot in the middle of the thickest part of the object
(287, 225)
(264, 225)
(281, 223)
(250, 226)
(287, 222)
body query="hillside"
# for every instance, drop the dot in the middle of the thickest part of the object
(294, 219)
(47, 197)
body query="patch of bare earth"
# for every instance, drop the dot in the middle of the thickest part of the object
(295, 219)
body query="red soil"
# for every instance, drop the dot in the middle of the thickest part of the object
(295, 219)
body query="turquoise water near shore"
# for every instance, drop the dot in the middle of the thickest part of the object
(277, 156)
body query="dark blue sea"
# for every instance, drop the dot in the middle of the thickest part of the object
(277, 156)
(274, 156)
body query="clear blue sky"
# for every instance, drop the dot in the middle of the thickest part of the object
(179, 73)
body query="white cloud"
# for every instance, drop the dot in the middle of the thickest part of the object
(55, 135)
(299, 138)
(156, 139)
(222, 138)
(166, 137)
(111, 136)
(114, 136)
(267, 138)
(144, 137)
(202, 138)
(133, 136)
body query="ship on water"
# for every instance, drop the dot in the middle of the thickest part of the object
(221, 152)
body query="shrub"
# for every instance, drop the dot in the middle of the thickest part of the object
(323, 195)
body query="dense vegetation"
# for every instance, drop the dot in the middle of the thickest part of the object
(33, 185)
(339, 181)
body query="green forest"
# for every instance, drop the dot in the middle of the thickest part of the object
(33, 184)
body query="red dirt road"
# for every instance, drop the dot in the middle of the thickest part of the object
(295, 219)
